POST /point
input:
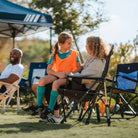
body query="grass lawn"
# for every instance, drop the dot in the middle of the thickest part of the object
(26, 126)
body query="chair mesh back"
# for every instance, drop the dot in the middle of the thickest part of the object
(37, 69)
(129, 70)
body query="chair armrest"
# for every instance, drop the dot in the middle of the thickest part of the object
(36, 77)
(110, 80)
(84, 77)
(9, 84)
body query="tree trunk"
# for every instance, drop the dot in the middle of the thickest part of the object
(75, 40)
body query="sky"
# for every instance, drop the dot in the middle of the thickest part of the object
(121, 27)
(123, 23)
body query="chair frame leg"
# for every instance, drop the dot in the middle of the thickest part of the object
(122, 108)
(108, 114)
(64, 119)
(18, 102)
(85, 113)
(90, 108)
(128, 105)
(63, 105)
(4, 106)
(97, 111)
(82, 108)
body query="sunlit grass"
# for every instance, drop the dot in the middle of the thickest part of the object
(26, 126)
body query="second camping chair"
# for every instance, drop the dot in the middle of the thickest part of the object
(36, 70)
(123, 87)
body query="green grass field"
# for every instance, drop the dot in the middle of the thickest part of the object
(26, 126)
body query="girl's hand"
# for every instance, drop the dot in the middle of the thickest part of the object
(61, 75)
(67, 73)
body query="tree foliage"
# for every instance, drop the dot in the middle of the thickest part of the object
(34, 50)
(122, 54)
(5, 47)
(78, 17)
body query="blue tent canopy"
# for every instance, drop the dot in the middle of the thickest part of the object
(16, 20)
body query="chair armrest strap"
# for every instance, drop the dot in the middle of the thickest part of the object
(125, 77)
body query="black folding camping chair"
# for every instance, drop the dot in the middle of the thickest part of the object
(36, 70)
(123, 88)
(82, 94)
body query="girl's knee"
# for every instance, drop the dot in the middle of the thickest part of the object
(56, 84)
(46, 80)
(42, 81)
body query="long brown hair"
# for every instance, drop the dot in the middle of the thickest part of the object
(61, 39)
(98, 47)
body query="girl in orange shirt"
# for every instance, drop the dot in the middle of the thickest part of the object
(61, 63)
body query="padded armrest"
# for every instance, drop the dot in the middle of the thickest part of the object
(125, 77)
(84, 77)
(36, 77)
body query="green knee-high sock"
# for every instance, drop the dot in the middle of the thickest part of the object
(40, 95)
(53, 99)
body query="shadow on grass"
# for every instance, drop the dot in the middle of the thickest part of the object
(26, 127)
(93, 120)
(29, 127)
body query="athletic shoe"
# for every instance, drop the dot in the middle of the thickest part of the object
(37, 110)
(45, 119)
(46, 113)
(52, 119)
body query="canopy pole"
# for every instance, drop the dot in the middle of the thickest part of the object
(13, 42)
(50, 40)
(13, 35)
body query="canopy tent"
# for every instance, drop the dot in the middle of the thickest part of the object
(16, 20)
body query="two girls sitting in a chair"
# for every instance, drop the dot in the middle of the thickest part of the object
(63, 62)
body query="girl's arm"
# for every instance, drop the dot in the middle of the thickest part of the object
(79, 69)
(93, 69)
(60, 75)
